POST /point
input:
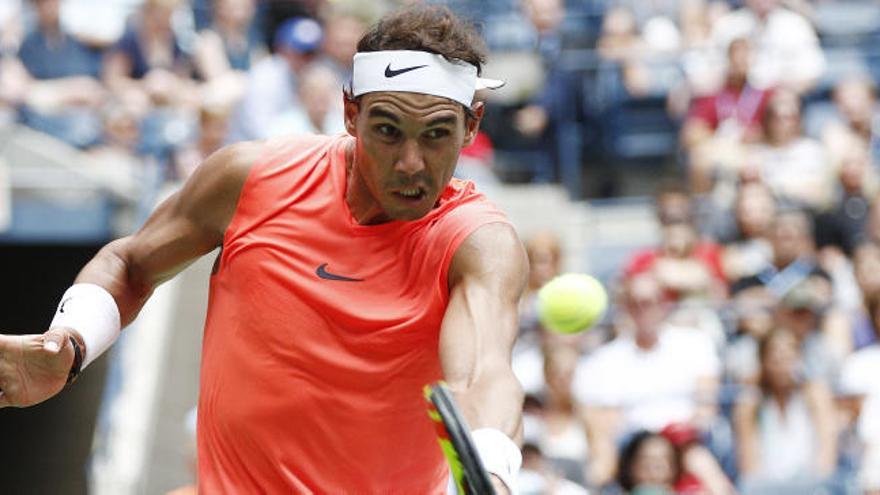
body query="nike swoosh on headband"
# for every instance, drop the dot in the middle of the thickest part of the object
(389, 72)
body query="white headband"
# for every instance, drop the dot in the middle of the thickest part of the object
(417, 72)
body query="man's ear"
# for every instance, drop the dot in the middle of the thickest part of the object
(472, 122)
(352, 110)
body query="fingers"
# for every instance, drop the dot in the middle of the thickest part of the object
(4, 401)
(54, 340)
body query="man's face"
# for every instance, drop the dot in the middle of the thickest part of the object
(48, 12)
(407, 148)
(762, 7)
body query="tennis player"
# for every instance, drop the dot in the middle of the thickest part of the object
(354, 270)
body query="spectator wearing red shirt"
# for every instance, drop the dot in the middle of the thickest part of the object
(718, 124)
(685, 265)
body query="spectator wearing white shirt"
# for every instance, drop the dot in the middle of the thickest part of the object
(795, 167)
(785, 428)
(787, 51)
(860, 379)
(645, 378)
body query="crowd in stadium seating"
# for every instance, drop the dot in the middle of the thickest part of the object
(743, 350)
(177, 79)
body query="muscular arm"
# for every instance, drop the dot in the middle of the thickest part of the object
(191, 223)
(486, 278)
(186, 226)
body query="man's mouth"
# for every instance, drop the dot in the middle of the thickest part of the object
(411, 194)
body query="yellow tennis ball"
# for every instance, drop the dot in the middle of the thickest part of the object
(571, 303)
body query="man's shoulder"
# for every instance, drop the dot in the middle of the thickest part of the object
(783, 18)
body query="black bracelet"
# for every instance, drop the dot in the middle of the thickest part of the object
(77, 362)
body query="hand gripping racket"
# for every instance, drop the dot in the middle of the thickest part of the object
(454, 438)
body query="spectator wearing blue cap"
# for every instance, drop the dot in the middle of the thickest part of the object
(272, 86)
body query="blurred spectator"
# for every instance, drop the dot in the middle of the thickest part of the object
(476, 163)
(751, 250)
(98, 24)
(794, 166)
(700, 472)
(622, 41)
(11, 26)
(64, 93)
(786, 47)
(856, 124)
(651, 375)
(649, 464)
(121, 136)
(859, 380)
(753, 317)
(343, 29)
(545, 258)
(273, 82)
(544, 250)
(794, 252)
(540, 120)
(538, 476)
(695, 20)
(228, 44)
(842, 227)
(866, 267)
(718, 125)
(699, 57)
(319, 93)
(115, 159)
(148, 67)
(14, 86)
(685, 265)
(563, 437)
(785, 429)
(211, 136)
(804, 311)
(805, 294)
(223, 53)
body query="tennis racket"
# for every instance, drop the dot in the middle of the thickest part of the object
(454, 438)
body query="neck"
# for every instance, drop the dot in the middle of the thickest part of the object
(557, 403)
(781, 396)
(736, 81)
(52, 29)
(646, 340)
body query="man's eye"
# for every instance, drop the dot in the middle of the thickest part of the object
(387, 130)
(437, 133)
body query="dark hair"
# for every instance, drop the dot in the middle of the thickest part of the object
(872, 304)
(427, 28)
(631, 450)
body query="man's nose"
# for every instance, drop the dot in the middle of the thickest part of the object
(411, 160)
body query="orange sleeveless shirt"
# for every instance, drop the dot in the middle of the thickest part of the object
(322, 332)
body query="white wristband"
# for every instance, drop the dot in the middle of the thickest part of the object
(500, 455)
(90, 310)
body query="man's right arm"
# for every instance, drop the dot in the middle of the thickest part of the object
(187, 225)
(184, 227)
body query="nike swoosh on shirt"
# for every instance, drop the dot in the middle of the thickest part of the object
(323, 273)
(389, 72)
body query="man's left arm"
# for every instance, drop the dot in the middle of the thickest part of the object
(486, 278)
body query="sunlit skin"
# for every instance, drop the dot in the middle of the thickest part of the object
(405, 142)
